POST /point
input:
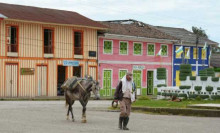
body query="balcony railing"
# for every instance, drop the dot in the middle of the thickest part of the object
(48, 49)
(78, 50)
(12, 47)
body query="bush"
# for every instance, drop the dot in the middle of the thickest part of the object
(192, 77)
(158, 93)
(161, 85)
(198, 98)
(193, 96)
(203, 78)
(174, 94)
(143, 98)
(166, 94)
(215, 79)
(182, 78)
(215, 97)
(202, 73)
(185, 66)
(161, 73)
(204, 96)
(209, 88)
(184, 87)
(182, 95)
(218, 88)
(198, 88)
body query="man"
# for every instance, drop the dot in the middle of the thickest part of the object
(125, 93)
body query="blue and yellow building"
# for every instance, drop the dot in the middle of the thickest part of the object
(187, 39)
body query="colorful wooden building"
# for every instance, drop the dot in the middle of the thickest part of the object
(131, 45)
(40, 48)
(188, 40)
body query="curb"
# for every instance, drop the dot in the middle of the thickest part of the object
(185, 112)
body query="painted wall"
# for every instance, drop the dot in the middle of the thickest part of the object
(142, 58)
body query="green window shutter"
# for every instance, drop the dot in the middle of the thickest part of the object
(137, 48)
(123, 48)
(150, 49)
(107, 47)
(164, 50)
(122, 73)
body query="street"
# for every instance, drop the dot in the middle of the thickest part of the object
(50, 117)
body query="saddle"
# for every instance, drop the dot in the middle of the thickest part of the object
(71, 83)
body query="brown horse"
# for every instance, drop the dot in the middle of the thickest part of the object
(81, 92)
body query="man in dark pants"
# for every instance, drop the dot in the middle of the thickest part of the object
(125, 93)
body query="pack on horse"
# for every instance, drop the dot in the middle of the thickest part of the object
(79, 89)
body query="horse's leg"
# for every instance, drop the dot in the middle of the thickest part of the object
(71, 110)
(68, 110)
(84, 110)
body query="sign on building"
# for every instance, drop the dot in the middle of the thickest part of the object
(70, 63)
(27, 71)
(136, 67)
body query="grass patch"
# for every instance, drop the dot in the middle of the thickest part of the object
(170, 104)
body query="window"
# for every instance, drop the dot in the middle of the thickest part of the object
(150, 49)
(186, 50)
(137, 49)
(78, 45)
(122, 73)
(77, 71)
(194, 53)
(48, 41)
(178, 55)
(203, 54)
(123, 48)
(164, 50)
(12, 38)
(107, 47)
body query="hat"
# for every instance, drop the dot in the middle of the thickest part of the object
(129, 74)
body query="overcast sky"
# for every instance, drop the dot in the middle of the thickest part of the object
(170, 13)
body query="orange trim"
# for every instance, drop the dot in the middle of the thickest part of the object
(96, 70)
(53, 45)
(82, 41)
(41, 58)
(43, 64)
(6, 31)
(18, 74)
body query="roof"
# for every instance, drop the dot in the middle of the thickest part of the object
(10, 11)
(185, 36)
(135, 28)
(215, 57)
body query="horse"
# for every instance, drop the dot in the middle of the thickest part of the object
(81, 92)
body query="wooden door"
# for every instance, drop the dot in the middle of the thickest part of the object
(107, 82)
(150, 81)
(137, 78)
(42, 81)
(11, 80)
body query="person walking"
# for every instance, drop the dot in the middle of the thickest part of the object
(125, 93)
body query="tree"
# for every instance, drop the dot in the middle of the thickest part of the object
(199, 33)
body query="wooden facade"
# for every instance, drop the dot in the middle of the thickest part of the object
(30, 54)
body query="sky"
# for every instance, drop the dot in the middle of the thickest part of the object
(169, 13)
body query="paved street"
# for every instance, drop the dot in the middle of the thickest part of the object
(50, 117)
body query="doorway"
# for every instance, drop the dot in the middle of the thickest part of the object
(150, 82)
(11, 80)
(77, 71)
(61, 77)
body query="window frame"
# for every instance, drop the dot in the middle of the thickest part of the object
(141, 48)
(186, 53)
(167, 50)
(205, 54)
(104, 47)
(53, 29)
(147, 48)
(17, 36)
(120, 47)
(82, 38)
(197, 53)
(176, 54)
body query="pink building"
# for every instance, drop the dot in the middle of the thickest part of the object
(132, 46)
